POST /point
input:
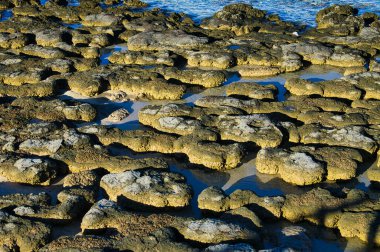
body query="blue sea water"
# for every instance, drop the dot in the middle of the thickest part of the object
(300, 11)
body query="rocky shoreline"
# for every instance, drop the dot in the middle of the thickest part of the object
(72, 75)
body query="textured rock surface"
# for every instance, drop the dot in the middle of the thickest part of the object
(152, 188)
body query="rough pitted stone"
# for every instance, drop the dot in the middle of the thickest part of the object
(171, 39)
(106, 214)
(14, 200)
(29, 170)
(351, 136)
(360, 225)
(294, 167)
(152, 188)
(22, 234)
(214, 199)
(252, 90)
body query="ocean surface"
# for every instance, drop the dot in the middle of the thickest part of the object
(299, 11)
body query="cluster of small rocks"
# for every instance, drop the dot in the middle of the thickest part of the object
(323, 135)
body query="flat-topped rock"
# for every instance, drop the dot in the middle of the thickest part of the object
(206, 78)
(100, 20)
(214, 199)
(252, 90)
(106, 214)
(31, 199)
(143, 58)
(353, 224)
(210, 154)
(217, 59)
(351, 136)
(29, 170)
(298, 167)
(152, 188)
(170, 39)
(89, 157)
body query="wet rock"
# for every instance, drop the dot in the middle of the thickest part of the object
(87, 83)
(43, 89)
(89, 157)
(29, 170)
(252, 90)
(50, 37)
(13, 40)
(64, 212)
(251, 128)
(298, 167)
(55, 109)
(17, 73)
(258, 71)
(294, 238)
(230, 247)
(41, 147)
(339, 20)
(206, 78)
(31, 199)
(105, 214)
(374, 173)
(84, 185)
(330, 119)
(210, 154)
(351, 136)
(217, 59)
(43, 52)
(353, 87)
(318, 206)
(100, 20)
(143, 58)
(214, 231)
(360, 225)
(164, 239)
(167, 40)
(17, 233)
(319, 54)
(82, 179)
(243, 216)
(143, 84)
(92, 40)
(152, 188)
(214, 199)
(341, 163)
(238, 18)
(118, 115)
(86, 243)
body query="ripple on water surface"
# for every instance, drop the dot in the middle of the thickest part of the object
(303, 11)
